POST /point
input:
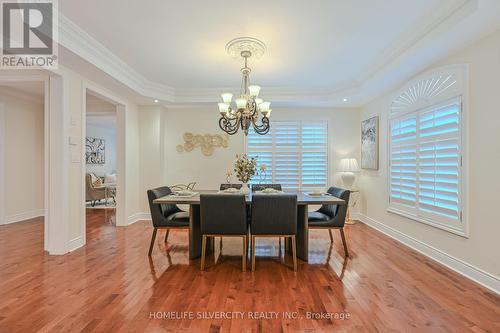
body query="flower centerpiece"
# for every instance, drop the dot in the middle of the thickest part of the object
(245, 168)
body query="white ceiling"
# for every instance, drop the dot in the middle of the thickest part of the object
(323, 49)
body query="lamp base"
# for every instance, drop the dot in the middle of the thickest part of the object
(348, 179)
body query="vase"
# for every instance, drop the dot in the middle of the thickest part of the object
(245, 189)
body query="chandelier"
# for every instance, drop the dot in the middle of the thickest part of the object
(247, 106)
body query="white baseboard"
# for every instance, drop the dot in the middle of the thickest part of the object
(75, 243)
(20, 217)
(138, 217)
(469, 271)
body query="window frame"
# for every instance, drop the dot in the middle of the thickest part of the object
(301, 123)
(459, 227)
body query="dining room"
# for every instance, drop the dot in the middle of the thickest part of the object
(316, 166)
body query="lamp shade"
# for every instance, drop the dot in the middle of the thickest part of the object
(223, 108)
(348, 165)
(241, 103)
(254, 90)
(227, 97)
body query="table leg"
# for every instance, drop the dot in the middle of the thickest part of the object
(302, 238)
(195, 238)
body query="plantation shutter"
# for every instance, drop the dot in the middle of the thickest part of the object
(314, 163)
(295, 154)
(440, 162)
(425, 163)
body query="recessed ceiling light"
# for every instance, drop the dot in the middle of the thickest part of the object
(345, 99)
(156, 101)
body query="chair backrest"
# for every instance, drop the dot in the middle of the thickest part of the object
(274, 214)
(160, 212)
(223, 214)
(260, 187)
(226, 186)
(337, 211)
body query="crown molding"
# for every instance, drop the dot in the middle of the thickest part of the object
(88, 48)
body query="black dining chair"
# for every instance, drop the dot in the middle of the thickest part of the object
(332, 216)
(165, 216)
(274, 216)
(227, 186)
(223, 215)
(260, 187)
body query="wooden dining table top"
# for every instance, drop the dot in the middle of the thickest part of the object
(302, 198)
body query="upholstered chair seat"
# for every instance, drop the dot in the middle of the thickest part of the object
(318, 218)
(178, 219)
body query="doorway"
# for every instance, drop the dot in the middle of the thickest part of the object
(103, 172)
(100, 160)
(23, 148)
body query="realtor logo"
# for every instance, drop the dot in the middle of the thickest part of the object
(29, 31)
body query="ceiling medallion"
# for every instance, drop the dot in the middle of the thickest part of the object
(248, 106)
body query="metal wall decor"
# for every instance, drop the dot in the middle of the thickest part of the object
(206, 143)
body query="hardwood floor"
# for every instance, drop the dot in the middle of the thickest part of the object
(111, 286)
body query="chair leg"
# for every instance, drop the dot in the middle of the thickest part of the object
(344, 242)
(152, 242)
(244, 256)
(279, 242)
(221, 243)
(203, 248)
(253, 253)
(294, 253)
(166, 235)
(331, 235)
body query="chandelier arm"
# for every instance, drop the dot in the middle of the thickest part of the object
(264, 123)
(228, 126)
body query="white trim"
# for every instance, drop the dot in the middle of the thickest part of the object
(21, 217)
(469, 271)
(75, 243)
(138, 217)
(2, 163)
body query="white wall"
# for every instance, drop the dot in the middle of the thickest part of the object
(481, 250)
(162, 130)
(23, 160)
(108, 133)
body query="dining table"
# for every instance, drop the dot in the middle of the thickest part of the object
(304, 200)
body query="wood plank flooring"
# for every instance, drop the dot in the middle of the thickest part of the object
(110, 285)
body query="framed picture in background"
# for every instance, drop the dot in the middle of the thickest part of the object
(369, 143)
(95, 151)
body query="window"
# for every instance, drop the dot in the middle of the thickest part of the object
(295, 153)
(426, 164)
